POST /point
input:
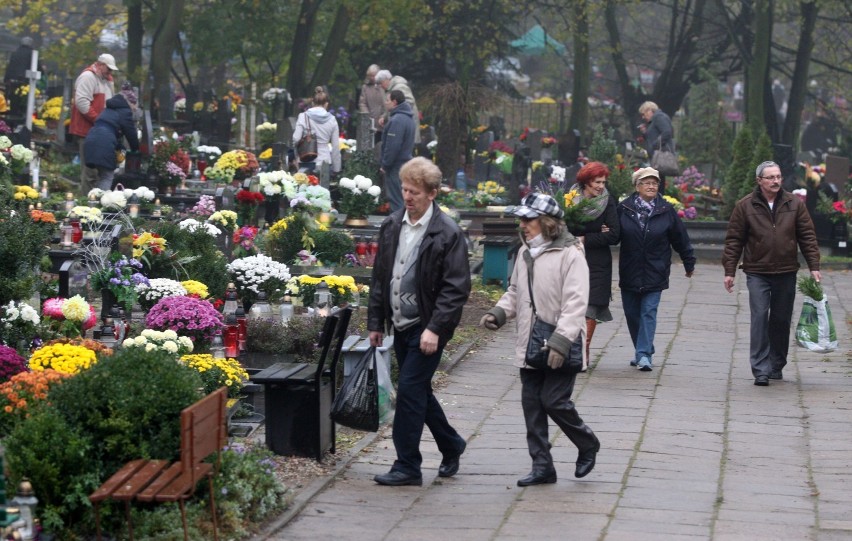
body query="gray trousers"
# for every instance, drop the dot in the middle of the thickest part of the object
(770, 299)
(547, 393)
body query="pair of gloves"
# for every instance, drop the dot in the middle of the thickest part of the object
(554, 358)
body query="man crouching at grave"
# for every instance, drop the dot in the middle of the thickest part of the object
(420, 283)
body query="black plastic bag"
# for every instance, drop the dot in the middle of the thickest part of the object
(357, 403)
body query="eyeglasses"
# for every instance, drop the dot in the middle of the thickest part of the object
(649, 183)
(773, 177)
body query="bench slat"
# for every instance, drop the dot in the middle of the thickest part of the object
(183, 484)
(141, 479)
(116, 480)
(164, 479)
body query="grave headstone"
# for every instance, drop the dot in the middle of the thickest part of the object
(497, 126)
(73, 278)
(365, 131)
(534, 143)
(481, 164)
(836, 172)
(520, 170)
(147, 144)
(569, 146)
(426, 137)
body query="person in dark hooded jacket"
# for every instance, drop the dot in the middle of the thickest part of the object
(397, 145)
(104, 139)
(650, 228)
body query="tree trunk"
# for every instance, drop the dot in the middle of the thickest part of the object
(333, 46)
(632, 96)
(757, 70)
(135, 34)
(170, 15)
(300, 49)
(798, 86)
(582, 70)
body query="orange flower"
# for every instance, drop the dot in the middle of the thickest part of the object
(8, 409)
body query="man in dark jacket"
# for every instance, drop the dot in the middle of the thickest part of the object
(767, 228)
(16, 76)
(397, 145)
(420, 284)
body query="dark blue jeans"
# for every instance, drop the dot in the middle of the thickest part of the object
(416, 405)
(770, 299)
(640, 310)
(393, 188)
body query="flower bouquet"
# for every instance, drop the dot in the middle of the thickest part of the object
(91, 216)
(277, 183)
(258, 273)
(342, 288)
(303, 179)
(205, 206)
(311, 198)
(169, 151)
(20, 157)
(244, 241)
(172, 175)
(11, 363)
(64, 358)
(247, 203)
(358, 196)
(487, 193)
(121, 276)
(88, 343)
(18, 323)
(241, 163)
(69, 317)
(151, 292)
(266, 133)
(24, 194)
(196, 289)
(193, 225)
(43, 217)
(195, 318)
(217, 373)
(225, 218)
(168, 341)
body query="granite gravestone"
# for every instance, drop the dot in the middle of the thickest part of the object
(481, 161)
(534, 143)
(73, 279)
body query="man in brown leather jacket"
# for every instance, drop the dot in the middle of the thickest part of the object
(767, 228)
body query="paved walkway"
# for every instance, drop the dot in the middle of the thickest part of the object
(692, 450)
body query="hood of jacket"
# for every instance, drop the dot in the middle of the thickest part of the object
(117, 102)
(319, 115)
(403, 108)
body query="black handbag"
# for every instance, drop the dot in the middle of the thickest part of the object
(306, 148)
(537, 350)
(357, 402)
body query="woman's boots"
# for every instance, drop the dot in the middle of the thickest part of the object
(590, 330)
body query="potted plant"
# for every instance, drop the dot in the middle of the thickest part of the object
(358, 198)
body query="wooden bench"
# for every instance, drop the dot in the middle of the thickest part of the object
(203, 431)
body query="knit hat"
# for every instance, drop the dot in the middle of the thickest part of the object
(645, 172)
(128, 93)
(535, 205)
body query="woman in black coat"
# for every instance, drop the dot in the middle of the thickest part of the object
(115, 122)
(597, 235)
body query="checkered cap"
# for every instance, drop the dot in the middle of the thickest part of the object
(535, 205)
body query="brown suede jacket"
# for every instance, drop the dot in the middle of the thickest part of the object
(769, 239)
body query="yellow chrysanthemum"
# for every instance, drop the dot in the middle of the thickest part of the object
(76, 309)
(194, 287)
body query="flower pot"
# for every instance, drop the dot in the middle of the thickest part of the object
(356, 221)
(108, 300)
(272, 210)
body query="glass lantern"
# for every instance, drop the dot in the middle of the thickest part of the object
(322, 300)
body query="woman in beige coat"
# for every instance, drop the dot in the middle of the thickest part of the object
(561, 293)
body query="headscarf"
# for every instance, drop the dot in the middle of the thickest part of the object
(599, 202)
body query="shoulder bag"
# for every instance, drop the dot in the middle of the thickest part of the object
(306, 148)
(665, 161)
(537, 350)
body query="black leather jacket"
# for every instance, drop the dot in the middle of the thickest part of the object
(442, 274)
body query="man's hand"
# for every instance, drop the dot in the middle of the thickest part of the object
(817, 276)
(555, 359)
(729, 284)
(489, 322)
(381, 121)
(428, 342)
(376, 338)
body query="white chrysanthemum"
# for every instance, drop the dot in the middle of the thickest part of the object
(169, 334)
(186, 343)
(151, 347)
(362, 182)
(29, 314)
(140, 340)
(130, 342)
(170, 346)
(347, 183)
(113, 200)
(374, 190)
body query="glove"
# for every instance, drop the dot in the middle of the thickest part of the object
(489, 322)
(555, 359)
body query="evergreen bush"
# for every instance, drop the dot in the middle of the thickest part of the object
(740, 172)
(332, 245)
(208, 265)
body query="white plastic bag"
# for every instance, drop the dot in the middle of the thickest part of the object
(815, 330)
(387, 394)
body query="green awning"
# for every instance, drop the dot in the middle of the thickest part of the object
(537, 42)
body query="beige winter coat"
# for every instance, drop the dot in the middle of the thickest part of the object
(561, 289)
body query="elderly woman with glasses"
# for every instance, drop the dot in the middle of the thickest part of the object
(650, 228)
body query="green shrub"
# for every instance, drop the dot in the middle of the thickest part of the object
(208, 263)
(298, 337)
(282, 244)
(740, 173)
(332, 245)
(361, 162)
(247, 488)
(126, 406)
(23, 243)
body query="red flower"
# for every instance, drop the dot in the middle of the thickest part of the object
(690, 198)
(218, 303)
(840, 206)
(313, 180)
(249, 198)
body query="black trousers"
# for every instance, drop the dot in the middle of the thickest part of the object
(547, 393)
(416, 406)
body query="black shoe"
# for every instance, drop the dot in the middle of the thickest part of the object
(450, 466)
(398, 479)
(538, 477)
(586, 461)
(761, 381)
(775, 374)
